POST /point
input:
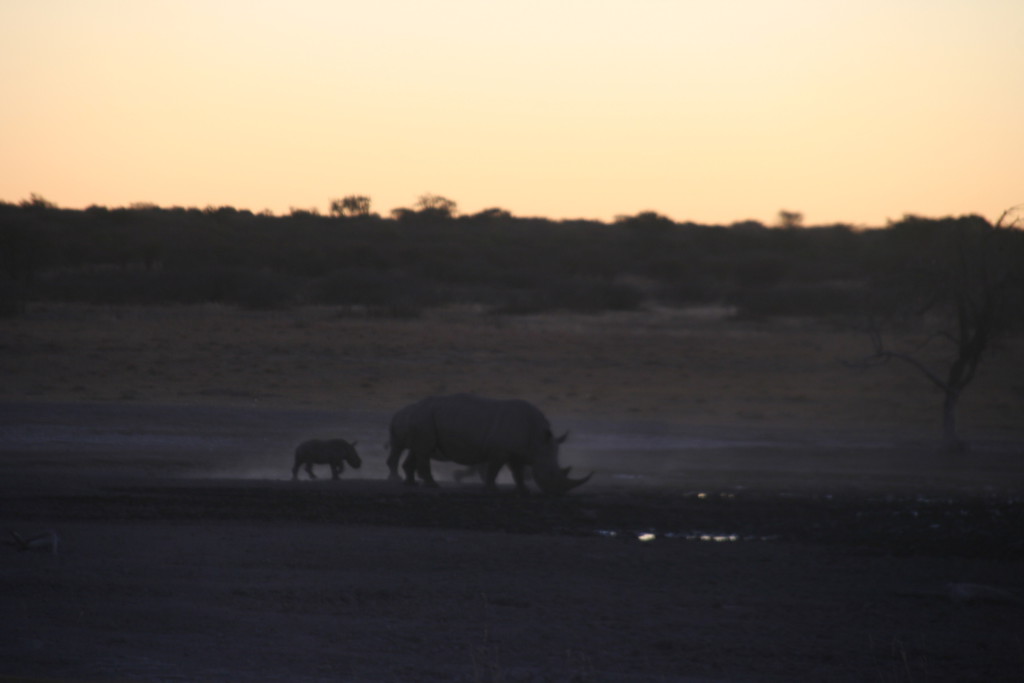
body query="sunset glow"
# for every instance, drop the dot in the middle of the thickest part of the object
(714, 112)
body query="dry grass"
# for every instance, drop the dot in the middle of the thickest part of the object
(692, 367)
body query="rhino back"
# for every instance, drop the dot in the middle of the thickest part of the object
(471, 428)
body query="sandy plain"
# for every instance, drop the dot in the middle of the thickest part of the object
(759, 511)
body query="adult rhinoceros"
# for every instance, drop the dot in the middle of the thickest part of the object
(471, 430)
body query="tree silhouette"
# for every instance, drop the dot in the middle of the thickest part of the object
(352, 205)
(790, 219)
(37, 201)
(491, 216)
(646, 223)
(964, 279)
(436, 206)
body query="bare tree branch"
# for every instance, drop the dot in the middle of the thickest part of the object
(964, 271)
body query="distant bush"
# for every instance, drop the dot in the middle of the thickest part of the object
(688, 281)
(100, 285)
(261, 290)
(762, 270)
(249, 288)
(365, 287)
(689, 292)
(12, 298)
(584, 296)
(802, 300)
(147, 255)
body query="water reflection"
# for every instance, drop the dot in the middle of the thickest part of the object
(703, 536)
(701, 495)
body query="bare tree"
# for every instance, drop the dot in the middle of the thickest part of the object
(963, 279)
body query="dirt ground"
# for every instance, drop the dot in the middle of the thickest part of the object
(759, 511)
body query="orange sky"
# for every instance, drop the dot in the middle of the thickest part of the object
(706, 111)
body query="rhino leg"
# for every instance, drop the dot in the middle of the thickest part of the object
(409, 467)
(421, 460)
(393, 457)
(309, 470)
(491, 474)
(519, 474)
(336, 469)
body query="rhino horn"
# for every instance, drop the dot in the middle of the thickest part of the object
(573, 483)
(562, 482)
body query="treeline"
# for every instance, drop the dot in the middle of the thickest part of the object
(417, 259)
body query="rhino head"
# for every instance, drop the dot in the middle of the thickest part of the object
(550, 477)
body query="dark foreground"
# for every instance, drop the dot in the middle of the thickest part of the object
(164, 573)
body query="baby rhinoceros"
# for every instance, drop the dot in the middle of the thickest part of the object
(333, 452)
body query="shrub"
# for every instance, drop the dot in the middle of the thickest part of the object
(12, 298)
(762, 270)
(818, 300)
(261, 290)
(364, 287)
(249, 288)
(580, 295)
